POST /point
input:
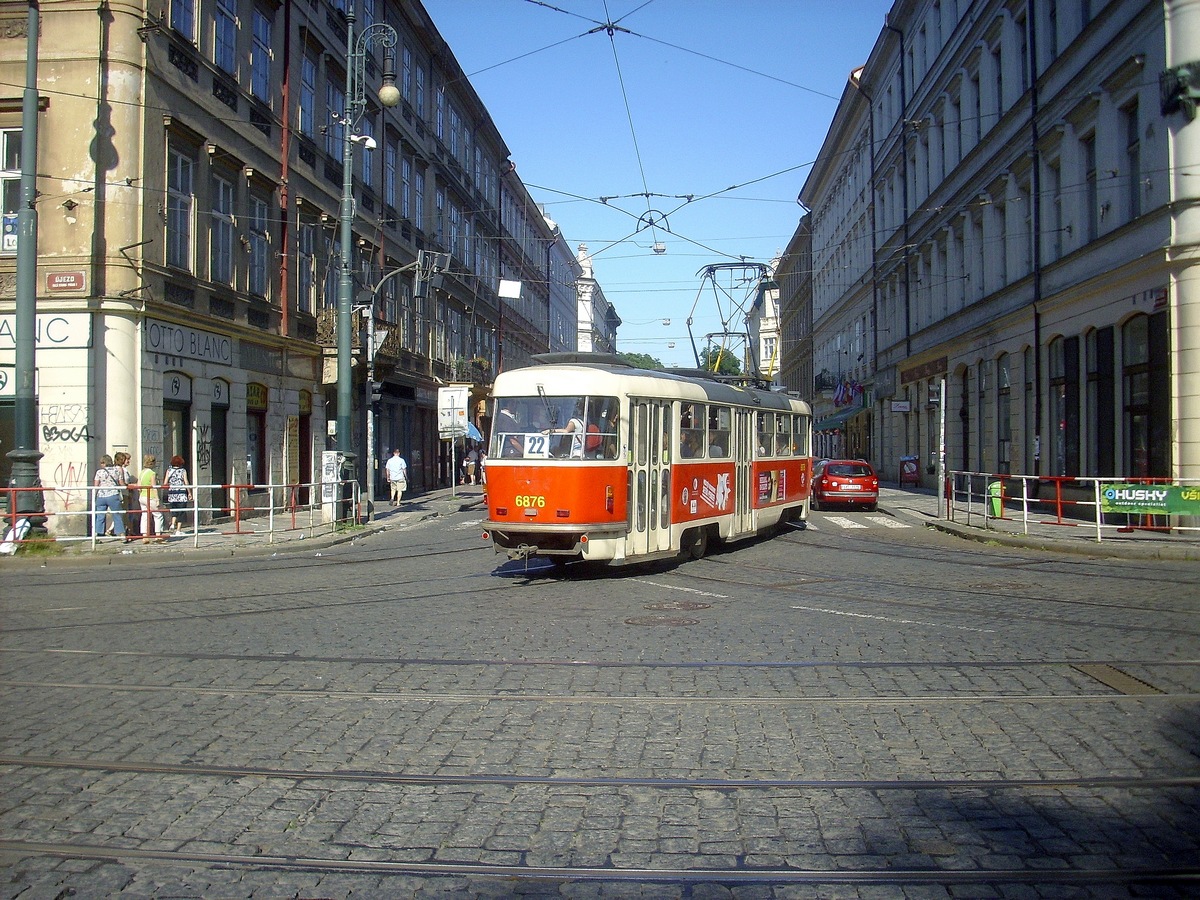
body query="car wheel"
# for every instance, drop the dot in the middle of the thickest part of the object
(871, 507)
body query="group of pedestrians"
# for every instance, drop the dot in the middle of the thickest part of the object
(136, 503)
(473, 463)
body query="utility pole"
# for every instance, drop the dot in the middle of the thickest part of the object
(25, 456)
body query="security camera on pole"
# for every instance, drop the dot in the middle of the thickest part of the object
(355, 103)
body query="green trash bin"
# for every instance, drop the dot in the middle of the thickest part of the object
(995, 490)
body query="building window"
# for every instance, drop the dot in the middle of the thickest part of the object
(1100, 398)
(406, 188)
(1033, 429)
(335, 102)
(333, 273)
(306, 263)
(183, 18)
(390, 151)
(1003, 416)
(1133, 159)
(406, 74)
(225, 36)
(10, 186)
(1092, 188)
(367, 128)
(221, 237)
(418, 216)
(257, 472)
(180, 198)
(389, 312)
(439, 127)
(307, 108)
(1054, 191)
(1058, 409)
(1025, 198)
(419, 91)
(259, 245)
(1135, 344)
(439, 222)
(260, 58)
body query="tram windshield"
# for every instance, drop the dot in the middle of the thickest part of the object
(555, 427)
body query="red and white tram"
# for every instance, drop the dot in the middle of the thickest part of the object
(592, 459)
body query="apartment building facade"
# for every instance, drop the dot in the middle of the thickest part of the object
(190, 176)
(1003, 202)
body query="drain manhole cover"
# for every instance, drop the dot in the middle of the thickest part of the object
(684, 605)
(661, 620)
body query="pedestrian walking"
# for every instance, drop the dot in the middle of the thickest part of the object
(131, 498)
(179, 494)
(109, 482)
(469, 467)
(152, 517)
(397, 475)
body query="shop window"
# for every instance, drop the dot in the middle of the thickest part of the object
(1003, 416)
(212, 444)
(257, 472)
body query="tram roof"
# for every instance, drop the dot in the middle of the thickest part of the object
(686, 385)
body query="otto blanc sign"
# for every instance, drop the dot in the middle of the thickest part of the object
(51, 331)
(179, 340)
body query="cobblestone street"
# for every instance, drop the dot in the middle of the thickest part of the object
(885, 710)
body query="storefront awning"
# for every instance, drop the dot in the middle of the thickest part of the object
(838, 419)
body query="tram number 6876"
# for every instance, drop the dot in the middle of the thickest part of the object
(524, 500)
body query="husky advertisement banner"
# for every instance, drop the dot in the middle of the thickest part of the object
(1150, 499)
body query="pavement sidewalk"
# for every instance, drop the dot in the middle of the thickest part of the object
(254, 535)
(1044, 533)
(919, 504)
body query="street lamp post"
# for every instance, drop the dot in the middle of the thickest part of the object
(25, 455)
(371, 387)
(356, 101)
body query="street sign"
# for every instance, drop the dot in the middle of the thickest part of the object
(452, 411)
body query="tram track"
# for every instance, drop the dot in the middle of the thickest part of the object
(725, 876)
(526, 697)
(383, 776)
(829, 585)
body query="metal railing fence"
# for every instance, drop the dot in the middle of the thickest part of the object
(261, 510)
(984, 498)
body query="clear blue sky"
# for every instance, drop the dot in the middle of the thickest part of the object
(684, 97)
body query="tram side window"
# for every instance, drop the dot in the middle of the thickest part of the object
(719, 423)
(691, 430)
(766, 433)
(783, 435)
(801, 436)
(603, 431)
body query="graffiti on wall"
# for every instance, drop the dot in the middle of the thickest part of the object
(65, 423)
(69, 478)
(203, 447)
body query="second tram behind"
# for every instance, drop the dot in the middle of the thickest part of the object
(592, 459)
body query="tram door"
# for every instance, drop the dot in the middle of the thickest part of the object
(650, 476)
(743, 453)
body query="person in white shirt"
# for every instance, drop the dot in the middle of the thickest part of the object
(397, 475)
